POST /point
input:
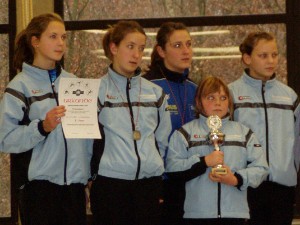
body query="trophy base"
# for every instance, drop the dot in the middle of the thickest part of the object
(219, 170)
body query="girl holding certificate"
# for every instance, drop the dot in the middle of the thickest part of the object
(49, 170)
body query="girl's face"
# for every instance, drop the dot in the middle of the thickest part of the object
(127, 56)
(215, 104)
(263, 60)
(178, 51)
(50, 47)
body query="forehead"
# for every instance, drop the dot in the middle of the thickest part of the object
(135, 37)
(265, 46)
(55, 27)
(213, 90)
(179, 35)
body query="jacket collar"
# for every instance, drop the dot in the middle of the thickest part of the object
(203, 118)
(256, 82)
(174, 76)
(121, 80)
(39, 73)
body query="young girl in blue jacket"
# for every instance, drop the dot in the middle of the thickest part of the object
(136, 126)
(212, 198)
(171, 60)
(267, 106)
(50, 171)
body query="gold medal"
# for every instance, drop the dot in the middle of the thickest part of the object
(136, 135)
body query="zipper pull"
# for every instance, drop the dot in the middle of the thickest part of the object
(263, 88)
(128, 84)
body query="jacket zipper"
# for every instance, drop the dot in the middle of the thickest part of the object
(65, 141)
(128, 87)
(219, 200)
(266, 120)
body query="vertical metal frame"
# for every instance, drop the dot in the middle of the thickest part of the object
(10, 29)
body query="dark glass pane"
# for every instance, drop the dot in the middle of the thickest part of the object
(5, 204)
(124, 9)
(216, 51)
(4, 12)
(5, 185)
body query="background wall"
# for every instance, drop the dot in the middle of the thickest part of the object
(26, 9)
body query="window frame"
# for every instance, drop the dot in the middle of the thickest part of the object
(291, 18)
(10, 29)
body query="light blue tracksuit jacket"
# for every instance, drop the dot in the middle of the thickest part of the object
(268, 109)
(52, 158)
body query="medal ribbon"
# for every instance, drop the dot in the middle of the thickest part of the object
(123, 99)
(182, 115)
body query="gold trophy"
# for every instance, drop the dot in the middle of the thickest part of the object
(216, 138)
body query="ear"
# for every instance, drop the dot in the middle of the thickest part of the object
(35, 42)
(113, 48)
(160, 51)
(246, 59)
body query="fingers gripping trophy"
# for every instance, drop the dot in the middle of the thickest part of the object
(216, 138)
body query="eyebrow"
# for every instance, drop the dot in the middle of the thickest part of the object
(131, 42)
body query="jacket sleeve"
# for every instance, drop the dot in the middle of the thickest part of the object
(179, 164)
(297, 137)
(257, 167)
(163, 130)
(14, 137)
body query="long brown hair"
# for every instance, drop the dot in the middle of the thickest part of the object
(209, 85)
(251, 41)
(162, 37)
(116, 33)
(24, 51)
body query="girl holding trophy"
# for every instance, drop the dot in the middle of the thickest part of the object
(218, 158)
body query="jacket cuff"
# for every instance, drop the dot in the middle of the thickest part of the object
(41, 129)
(240, 181)
(93, 177)
(202, 161)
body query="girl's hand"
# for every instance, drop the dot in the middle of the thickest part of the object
(53, 118)
(214, 158)
(228, 178)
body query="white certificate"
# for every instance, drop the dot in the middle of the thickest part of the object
(79, 96)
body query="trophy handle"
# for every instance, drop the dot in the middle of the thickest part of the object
(217, 148)
(218, 169)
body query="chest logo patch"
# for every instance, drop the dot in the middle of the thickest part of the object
(244, 97)
(38, 91)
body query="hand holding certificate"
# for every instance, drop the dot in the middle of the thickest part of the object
(79, 96)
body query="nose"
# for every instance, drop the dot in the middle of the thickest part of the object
(186, 49)
(218, 101)
(137, 53)
(271, 59)
(61, 41)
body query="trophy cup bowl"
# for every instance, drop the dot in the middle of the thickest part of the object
(216, 138)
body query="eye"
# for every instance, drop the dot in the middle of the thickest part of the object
(223, 98)
(53, 36)
(142, 48)
(64, 37)
(274, 55)
(189, 44)
(210, 98)
(177, 45)
(130, 46)
(263, 56)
